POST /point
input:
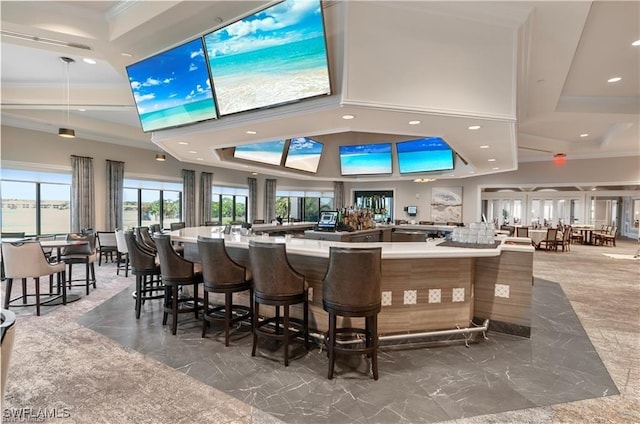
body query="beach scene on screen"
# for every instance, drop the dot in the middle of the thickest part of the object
(269, 152)
(275, 56)
(173, 88)
(423, 155)
(365, 159)
(304, 154)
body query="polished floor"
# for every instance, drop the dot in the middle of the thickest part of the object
(580, 365)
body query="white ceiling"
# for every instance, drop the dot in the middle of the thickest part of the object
(566, 52)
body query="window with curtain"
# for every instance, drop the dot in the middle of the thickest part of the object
(82, 194)
(229, 204)
(300, 205)
(115, 180)
(151, 202)
(35, 202)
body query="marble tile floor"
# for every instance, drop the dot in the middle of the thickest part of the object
(113, 364)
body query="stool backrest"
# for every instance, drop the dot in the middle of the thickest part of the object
(177, 226)
(218, 269)
(353, 277)
(106, 238)
(88, 248)
(24, 260)
(144, 238)
(173, 267)
(272, 272)
(140, 258)
(121, 243)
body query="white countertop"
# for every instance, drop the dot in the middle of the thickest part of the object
(320, 248)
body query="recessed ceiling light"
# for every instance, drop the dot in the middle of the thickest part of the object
(251, 132)
(254, 173)
(495, 168)
(472, 172)
(82, 110)
(474, 127)
(126, 54)
(614, 79)
(192, 151)
(199, 159)
(484, 146)
(584, 135)
(184, 143)
(636, 43)
(89, 61)
(491, 160)
(414, 122)
(348, 116)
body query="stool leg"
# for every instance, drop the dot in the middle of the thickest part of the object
(93, 274)
(227, 316)
(374, 335)
(174, 310)
(86, 276)
(286, 335)
(195, 300)
(206, 312)
(70, 274)
(254, 325)
(138, 295)
(37, 281)
(167, 300)
(7, 292)
(305, 311)
(24, 290)
(61, 280)
(331, 343)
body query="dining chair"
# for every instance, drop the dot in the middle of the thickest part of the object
(550, 241)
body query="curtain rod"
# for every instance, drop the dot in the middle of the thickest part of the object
(84, 157)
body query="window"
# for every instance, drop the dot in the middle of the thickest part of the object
(299, 205)
(151, 202)
(229, 204)
(35, 202)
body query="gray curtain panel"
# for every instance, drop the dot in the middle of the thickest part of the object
(269, 199)
(253, 199)
(338, 195)
(189, 197)
(115, 194)
(206, 180)
(82, 194)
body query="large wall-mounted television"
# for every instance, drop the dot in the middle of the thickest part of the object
(365, 159)
(173, 88)
(303, 154)
(274, 56)
(269, 152)
(424, 155)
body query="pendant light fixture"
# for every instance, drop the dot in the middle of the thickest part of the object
(67, 132)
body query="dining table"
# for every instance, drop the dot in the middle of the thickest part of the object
(537, 236)
(587, 232)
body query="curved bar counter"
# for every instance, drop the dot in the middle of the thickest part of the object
(425, 287)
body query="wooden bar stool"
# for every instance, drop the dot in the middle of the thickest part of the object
(351, 288)
(220, 274)
(146, 270)
(277, 284)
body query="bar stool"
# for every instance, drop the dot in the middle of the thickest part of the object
(82, 254)
(277, 284)
(177, 272)
(146, 270)
(27, 260)
(122, 255)
(351, 288)
(221, 274)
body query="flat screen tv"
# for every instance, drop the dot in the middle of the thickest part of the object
(303, 154)
(424, 155)
(269, 152)
(274, 56)
(365, 159)
(328, 220)
(173, 88)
